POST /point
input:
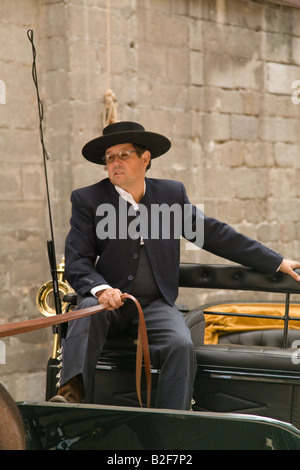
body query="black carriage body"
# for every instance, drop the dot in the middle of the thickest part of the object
(256, 372)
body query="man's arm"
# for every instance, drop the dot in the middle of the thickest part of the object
(80, 249)
(222, 240)
(287, 266)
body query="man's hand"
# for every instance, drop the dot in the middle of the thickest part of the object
(111, 297)
(288, 266)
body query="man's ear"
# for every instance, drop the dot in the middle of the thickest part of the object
(146, 157)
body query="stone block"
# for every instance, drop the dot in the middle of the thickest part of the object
(195, 127)
(287, 155)
(280, 77)
(196, 61)
(296, 50)
(56, 54)
(57, 86)
(218, 183)
(277, 129)
(19, 354)
(276, 47)
(20, 13)
(233, 72)
(259, 154)
(19, 144)
(156, 5)
(283, 183)
(229, 154)
(156, 24)
(279, 105)
(231, 101)
(230, 211)
(231, 41)
(23, 214)
(27, 386)
(172, 95)
(195, 9)
(272, 20)
(287, 232)
(195, 34)
(216, 127)
(57, 19)
(267, 232)
(246, 229)
(33, 182)
(252, 102)
(250, 17)
(152, 61)
(178, 67)
(284, 209)
(14, 43)
(244, 127)
(11, 187)
(250, 184)
(180, 7)
(256, 210)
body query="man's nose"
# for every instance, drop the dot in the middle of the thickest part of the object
(117, 160)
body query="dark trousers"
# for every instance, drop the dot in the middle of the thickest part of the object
(170, 344)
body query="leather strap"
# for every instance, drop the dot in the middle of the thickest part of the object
(10, 329)
(142, 352)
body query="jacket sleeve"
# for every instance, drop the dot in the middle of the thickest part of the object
(223, 240)
(81, 248)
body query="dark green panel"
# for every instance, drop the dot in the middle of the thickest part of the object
(76, 427)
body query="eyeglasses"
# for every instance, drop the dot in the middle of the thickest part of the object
(123, 155)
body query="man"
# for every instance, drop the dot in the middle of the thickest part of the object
(118, 243)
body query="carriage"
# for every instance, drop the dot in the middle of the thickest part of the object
(247, 387)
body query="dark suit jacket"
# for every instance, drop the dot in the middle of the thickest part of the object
(98, 210)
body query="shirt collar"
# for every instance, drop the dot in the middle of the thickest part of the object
(128, 197)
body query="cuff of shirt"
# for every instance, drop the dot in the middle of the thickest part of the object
(98, 288)
(278, 269)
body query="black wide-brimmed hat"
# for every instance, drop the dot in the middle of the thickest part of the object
(121, 133)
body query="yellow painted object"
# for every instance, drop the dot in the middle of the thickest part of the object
(217, 325)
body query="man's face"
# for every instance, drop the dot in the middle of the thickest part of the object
(128, 174)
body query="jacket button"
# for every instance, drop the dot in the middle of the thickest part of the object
(130, 277)
(135, 255)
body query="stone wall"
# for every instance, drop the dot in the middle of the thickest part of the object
(216, 76)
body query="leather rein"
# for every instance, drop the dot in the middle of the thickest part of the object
(142, 351)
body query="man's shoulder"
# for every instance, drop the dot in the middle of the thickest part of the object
(93, 194)
(164, 190)
(102, 185)
(156, 183)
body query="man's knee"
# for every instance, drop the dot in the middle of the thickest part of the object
(181, 342)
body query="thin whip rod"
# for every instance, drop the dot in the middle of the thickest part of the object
(46, 155)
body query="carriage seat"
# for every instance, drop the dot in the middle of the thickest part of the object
(251, 342)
